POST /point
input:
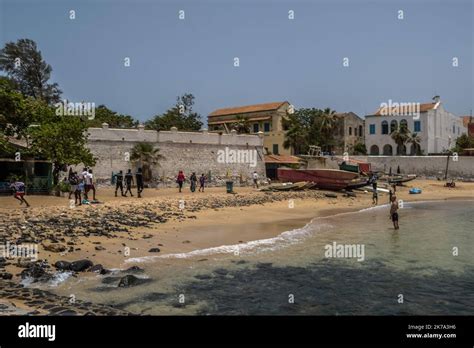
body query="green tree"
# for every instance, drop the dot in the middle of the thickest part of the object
(112, 118)
(181, 115)
(24, 64)
(147, 156)
(242, 125)
(463, 142)
(360, 149)
(327, 123)
(62, 140)
(415, 141)
(400, 137)
(296, 134)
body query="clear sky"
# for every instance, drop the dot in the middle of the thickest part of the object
(299, 60)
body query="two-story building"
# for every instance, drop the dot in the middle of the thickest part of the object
(348, 132)
(437, 128)
(266, 118)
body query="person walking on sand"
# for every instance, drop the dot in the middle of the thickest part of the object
(139, 177)
(375, 196)
(75, 185)
(128, 182)
(193, 180)
(19, 189)
(91, 183)
(73, 182)
(255, 179)
(83, 180)
(394, 212)
(202, 182)
(180, 180)
(119, 183)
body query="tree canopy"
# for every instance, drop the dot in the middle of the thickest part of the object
(24, 65)
(181, 116)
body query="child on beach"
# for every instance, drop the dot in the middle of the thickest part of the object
(394, 212)
(202, 182)
(19, 188)
(128, 182)
(180, 179)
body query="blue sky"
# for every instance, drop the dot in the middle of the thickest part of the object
(298, 60)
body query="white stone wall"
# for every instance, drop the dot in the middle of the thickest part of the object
(423, 165)
(187, 151)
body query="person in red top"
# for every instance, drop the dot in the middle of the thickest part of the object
(180, 179)
(19, 188)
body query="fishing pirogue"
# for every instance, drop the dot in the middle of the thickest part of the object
(327, 179)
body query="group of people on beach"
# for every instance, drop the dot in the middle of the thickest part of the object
(193, 179)
(128, 178)
(80, 185)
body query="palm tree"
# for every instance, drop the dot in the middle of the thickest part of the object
(327, 124)
(146, 156)
(295, 134)
(242, 124)
(415, 141)
(400, 137)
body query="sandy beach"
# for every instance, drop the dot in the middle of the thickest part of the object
(166, 222)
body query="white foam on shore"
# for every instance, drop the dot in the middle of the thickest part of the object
(284, 239)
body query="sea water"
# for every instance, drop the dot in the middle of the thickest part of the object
(347, 264)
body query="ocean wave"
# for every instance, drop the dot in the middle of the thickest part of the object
(282, 240)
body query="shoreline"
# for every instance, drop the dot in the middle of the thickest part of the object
(209, 221)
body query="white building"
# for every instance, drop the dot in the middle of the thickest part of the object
(437, 128)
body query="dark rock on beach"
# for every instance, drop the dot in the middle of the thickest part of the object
(130, 280)
(154, 250)
(81, 265)
(63, 265)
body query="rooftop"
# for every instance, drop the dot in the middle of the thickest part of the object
(247, 109)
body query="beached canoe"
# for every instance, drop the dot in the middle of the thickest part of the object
(326, 179)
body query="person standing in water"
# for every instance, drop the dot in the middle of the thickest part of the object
(202, 182)
(119, 182)
(139, 177)
(180, 179)
(128, 182)
(19, 188)
(193, 180)
(394, 212)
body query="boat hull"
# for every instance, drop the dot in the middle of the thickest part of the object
(330, 179)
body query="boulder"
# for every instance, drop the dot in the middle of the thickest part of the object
(63, 265)
(81, 265)
(154, 250)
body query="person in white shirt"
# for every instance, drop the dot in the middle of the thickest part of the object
(89, 179)
(255, 179)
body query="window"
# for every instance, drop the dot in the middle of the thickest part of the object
(266, 127)
(361, 131)
(393, 126)
(417, 126)
(372, 129)
(275, 149)
(454, 129)
(255, 128)
(350, 130)
(404, 124)
(384, 127)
